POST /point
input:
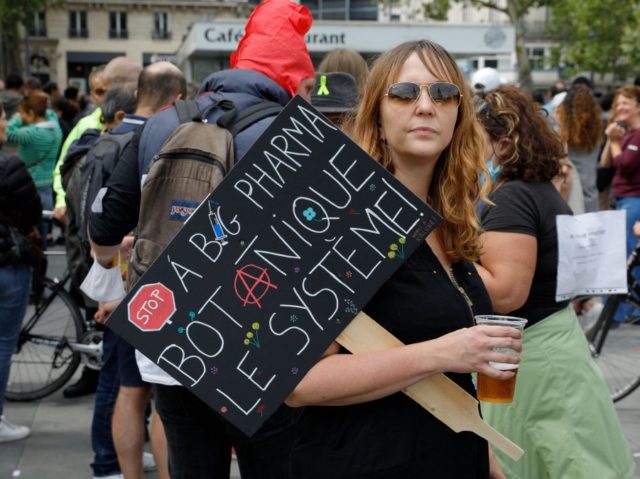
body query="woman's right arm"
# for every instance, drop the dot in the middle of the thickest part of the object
(19, 132)
(606, 161)
(342, 379)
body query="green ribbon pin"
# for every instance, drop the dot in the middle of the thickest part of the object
(323, 90)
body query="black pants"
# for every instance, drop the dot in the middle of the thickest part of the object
(199, 441)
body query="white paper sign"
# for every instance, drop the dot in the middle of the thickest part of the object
(592, 256)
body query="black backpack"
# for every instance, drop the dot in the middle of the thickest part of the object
(78, 259)
(188, 167)
(100, 162)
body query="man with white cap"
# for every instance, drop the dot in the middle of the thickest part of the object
(486, 80)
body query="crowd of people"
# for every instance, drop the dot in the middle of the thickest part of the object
(498, 167)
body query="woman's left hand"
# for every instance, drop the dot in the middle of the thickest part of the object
(472, 349)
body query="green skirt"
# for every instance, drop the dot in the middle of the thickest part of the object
(561, 415)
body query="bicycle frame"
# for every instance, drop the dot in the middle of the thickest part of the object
(93, 351)
(618, 359)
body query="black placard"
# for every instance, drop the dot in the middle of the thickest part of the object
(272, 266)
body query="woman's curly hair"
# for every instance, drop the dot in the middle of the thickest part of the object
(455, 185)
(579, 116)
(533, 150)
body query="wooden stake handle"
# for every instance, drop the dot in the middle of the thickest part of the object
(437, 394)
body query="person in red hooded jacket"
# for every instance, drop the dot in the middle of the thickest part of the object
(271, 63)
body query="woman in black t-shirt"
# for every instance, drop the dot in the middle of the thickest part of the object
(561, 414)
(416, 118)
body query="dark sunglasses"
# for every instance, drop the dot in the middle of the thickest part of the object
(99, 91)
(440, 92)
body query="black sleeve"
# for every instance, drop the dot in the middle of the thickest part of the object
(19, 198)
(514, 210)
(121, 202)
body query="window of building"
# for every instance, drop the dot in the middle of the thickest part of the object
(342, 9)
(118, 25)
(491, 62)
(363, 10)
(467, 12)
(39, 27)
(78, 24)
(161, 29)
(536, 57)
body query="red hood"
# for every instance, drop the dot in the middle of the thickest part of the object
(274, 45)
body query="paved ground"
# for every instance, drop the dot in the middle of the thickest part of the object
(60, 443)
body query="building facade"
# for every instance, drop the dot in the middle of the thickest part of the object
(207, 46)
(538, 42)
(67, 42)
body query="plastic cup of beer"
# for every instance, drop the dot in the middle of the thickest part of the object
(497, 390)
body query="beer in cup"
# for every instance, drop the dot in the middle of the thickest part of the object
(497, 390)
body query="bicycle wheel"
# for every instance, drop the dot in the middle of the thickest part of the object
(43, 361)
(616, 349)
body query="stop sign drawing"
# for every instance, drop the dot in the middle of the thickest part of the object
(152, 307)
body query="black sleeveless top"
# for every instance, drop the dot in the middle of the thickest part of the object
(394, 437)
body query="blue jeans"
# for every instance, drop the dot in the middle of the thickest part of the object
(105, 460)
(15, 284)
(632, 207)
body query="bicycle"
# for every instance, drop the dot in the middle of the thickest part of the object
(54, 340)
(616, 346)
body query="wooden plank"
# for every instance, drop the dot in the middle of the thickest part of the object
(437, 394)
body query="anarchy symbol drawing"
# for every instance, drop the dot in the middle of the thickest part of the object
(251, 284)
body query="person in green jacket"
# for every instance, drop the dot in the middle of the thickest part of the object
(38, 138)
(98, 86)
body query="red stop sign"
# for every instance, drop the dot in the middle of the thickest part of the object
(151, 307)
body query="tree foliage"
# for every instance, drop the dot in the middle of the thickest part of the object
(514, 10)
(12, 14)
(601, 36)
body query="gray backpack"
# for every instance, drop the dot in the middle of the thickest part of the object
(188, 167)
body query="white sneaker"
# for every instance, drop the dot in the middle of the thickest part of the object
(148, 462)
(110, 476)
(12, 432)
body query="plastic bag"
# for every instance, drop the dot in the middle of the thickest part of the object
(103, 284)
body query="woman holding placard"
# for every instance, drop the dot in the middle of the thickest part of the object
(561, 414)
(417, 119)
